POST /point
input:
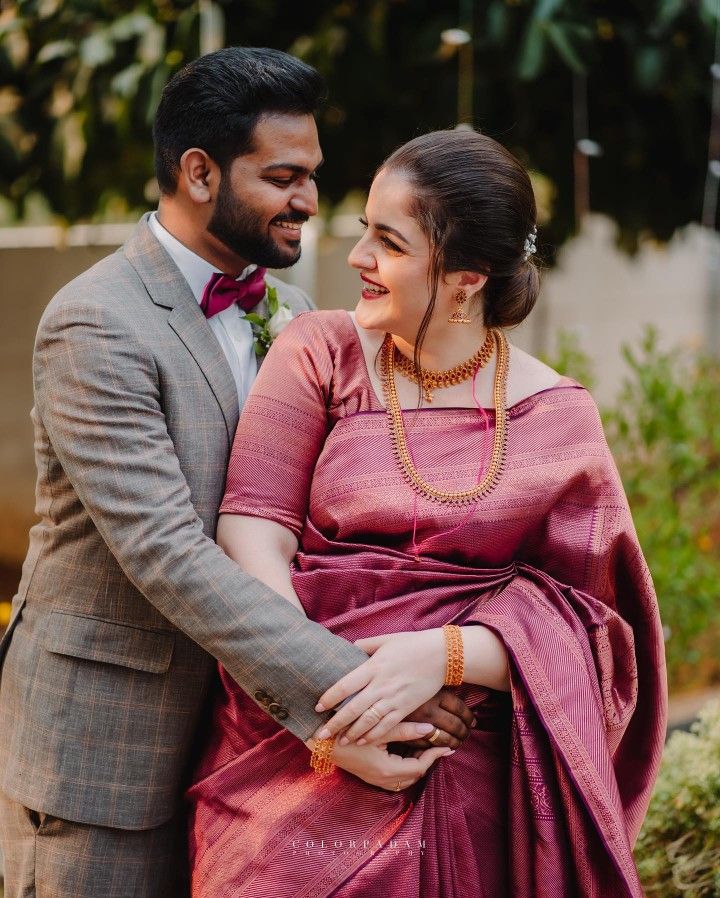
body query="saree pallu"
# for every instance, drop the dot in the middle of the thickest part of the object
(546, 796)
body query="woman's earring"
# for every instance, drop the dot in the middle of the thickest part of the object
(459, 316)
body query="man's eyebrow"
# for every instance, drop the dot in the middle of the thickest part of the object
(290, 166)
(384, 227)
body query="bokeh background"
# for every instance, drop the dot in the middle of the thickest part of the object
(615, 109)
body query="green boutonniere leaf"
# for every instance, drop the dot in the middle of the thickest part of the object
(272, 301)
(261, 325)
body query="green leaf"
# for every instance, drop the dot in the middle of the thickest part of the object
(126, 83)
(154, 91)
(532, 52)
(55, 50)
(254, 318)
(709, 10)
(131, 25)
(558, 38)
(669, 10)
(96, 50)
(497, 22)
(272, 300)
(648, 67)
(547, 8)
(151, 46)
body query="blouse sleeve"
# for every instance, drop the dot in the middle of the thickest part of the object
(282, 428)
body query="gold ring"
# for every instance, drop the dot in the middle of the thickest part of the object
(371, 710)
(398, 787)
(433, 736)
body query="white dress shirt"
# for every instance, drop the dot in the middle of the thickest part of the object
(232, 330)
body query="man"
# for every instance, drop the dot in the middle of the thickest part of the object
(125, 603)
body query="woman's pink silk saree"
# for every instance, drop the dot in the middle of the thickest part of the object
(547, 795)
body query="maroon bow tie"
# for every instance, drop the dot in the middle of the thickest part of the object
(222, 291)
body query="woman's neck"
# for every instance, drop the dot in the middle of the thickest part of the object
(445, 347)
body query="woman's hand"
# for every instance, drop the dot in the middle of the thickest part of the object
(404, 671)
(374, 765)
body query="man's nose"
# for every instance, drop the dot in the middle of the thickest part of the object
(306, 199)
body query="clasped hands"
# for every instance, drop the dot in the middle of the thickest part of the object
(397, 696)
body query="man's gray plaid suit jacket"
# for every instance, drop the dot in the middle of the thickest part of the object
(125, 600)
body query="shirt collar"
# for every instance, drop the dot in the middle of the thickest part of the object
(196, 270)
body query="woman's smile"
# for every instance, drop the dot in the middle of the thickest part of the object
(372, 290)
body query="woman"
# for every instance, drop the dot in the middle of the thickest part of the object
(405, 469)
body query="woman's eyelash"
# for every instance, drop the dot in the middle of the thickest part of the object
(384, 240)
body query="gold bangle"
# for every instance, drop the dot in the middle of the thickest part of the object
(455, 665)
(321, 757)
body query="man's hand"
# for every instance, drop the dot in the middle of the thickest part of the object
(450, 715)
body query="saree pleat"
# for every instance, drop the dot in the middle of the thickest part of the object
(546, 796)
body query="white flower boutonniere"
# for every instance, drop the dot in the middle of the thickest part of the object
(266, 329)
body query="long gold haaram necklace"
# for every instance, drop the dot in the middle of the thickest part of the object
(435, 380)
(397, 427)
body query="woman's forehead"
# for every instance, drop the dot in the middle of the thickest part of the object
(391, 196)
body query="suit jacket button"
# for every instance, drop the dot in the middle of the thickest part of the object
(278, 711)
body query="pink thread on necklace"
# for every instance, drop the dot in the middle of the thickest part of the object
(416, 549)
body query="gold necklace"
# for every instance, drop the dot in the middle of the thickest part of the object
(397, 428)
(434, 380)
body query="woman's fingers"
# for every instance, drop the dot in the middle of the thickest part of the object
(408, 732)
(370, 644)
(350, 684)
(405, 772)
(430, 755)
(417, 733)
(354, 712)
(441, 739)
(378, 729)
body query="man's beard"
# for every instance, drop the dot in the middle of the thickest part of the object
(243, 231)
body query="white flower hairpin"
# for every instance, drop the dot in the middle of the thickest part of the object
(529, 248)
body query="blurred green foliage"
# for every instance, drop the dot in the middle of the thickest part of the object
(678, 852)
(665, 436)
(570, 360)
(79, 81)
(79, 84)
(663, 430)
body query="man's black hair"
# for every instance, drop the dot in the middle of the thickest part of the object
(215, 102)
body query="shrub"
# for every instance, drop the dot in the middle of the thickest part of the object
(664, 434)
(678, 852)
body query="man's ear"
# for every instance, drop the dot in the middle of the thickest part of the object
(199, 176)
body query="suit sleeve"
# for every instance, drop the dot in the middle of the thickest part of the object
(97, 392)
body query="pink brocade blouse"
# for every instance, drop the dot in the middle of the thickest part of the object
(313, 408)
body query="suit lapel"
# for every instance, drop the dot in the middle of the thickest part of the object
(168, 288)
(190, 325)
